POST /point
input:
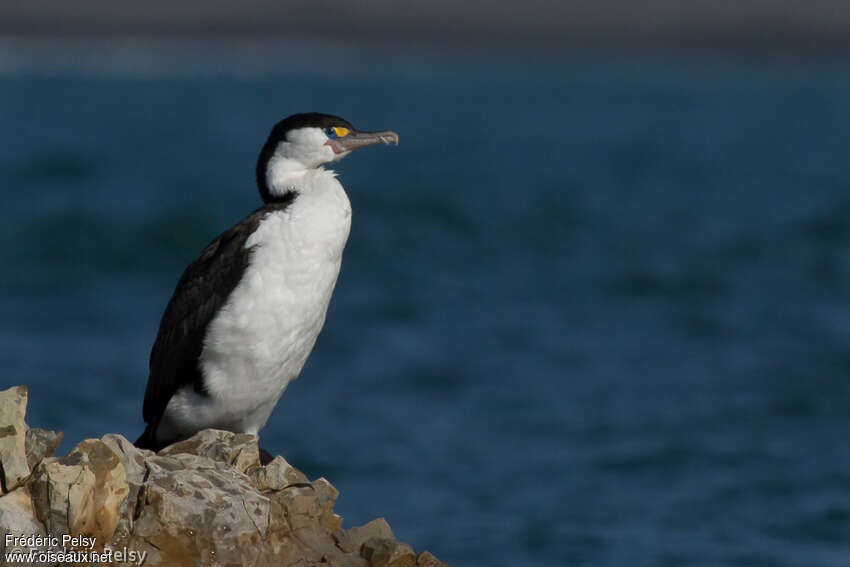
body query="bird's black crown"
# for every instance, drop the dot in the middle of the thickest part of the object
(306, 120)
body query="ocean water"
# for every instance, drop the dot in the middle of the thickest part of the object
(592, 312)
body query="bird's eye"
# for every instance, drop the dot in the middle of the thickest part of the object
(336, 132)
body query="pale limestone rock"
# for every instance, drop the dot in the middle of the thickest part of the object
(195, 510)
(133, 460)
(13, 431)
(17, 517)
(426, 559)
(326, 496)
(386, 552)
(81, 493)
(239, 450)
(131, 457)
(40, 444)
(352, 539)
(277, 475)
(204, 501)
(301, 504)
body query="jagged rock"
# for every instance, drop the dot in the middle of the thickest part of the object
(202, 507)
(326, 496)
(301, 505)
(133, 461)
(81, 493)
(40, 444)
(204, 501)
(240, 451)
(277, 475)
(132, 458)
(386, 552)
(17, 517)
(353, 539)
(425, 559)
(13, 431)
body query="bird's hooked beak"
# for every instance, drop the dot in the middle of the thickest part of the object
(357, 139)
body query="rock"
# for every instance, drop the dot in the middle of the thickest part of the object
(40, 444)
(425, 559)
(132, 458)
(17, 517)
(326, 496)
(301, 505)
(81, 493)
(353, 539)
(193, 507)
(386, 552)
(13, 431)
(135, 471)
(238, 450)
(277, 475)
(203, 501)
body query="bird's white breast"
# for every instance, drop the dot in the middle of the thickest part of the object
(261, 338)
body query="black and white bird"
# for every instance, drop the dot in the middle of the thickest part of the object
(246, 313)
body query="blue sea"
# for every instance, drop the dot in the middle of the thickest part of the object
(594, 310)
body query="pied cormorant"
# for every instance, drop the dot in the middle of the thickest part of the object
(246, 313)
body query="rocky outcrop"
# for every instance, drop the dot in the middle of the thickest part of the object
(204, 501)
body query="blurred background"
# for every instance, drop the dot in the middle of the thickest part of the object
(594, 310)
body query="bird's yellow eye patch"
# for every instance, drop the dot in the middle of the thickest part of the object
(340, 131)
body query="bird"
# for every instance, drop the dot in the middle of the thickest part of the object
(246, 312)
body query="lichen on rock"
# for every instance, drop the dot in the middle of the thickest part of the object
(204, 501)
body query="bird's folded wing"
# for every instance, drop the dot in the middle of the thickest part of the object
(202, 290)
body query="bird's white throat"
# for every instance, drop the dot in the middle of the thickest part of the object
(285, 174)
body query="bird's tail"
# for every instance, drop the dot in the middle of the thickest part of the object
(148, 440)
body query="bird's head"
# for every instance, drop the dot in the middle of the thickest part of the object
(306, 141)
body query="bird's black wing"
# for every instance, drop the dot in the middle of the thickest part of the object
(201, 292)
